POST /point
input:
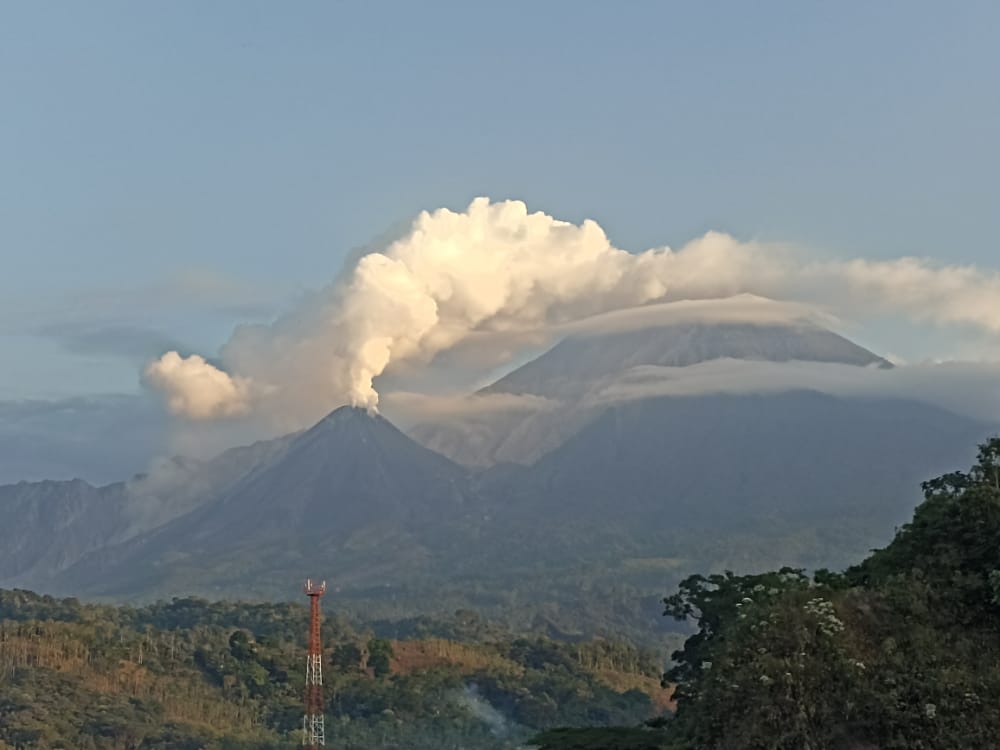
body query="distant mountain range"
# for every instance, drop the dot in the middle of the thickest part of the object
(626, 496)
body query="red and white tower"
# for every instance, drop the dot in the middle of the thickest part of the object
(313, 733)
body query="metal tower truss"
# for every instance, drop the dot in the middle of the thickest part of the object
(313, 729)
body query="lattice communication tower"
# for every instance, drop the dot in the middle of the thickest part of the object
(313, 732)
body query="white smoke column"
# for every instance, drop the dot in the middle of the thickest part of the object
(500, 725)
(497, 268)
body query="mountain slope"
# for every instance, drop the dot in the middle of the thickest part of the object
(656, 488)
(727, 460)
(46, 526)
(329, 500)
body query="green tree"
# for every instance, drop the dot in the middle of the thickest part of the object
(380, 654)
(346, 657)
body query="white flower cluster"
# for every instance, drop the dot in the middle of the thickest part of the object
(761, 589)
(826, 616)
(742, 603)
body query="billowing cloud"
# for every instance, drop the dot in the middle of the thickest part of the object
(197, 389)
(496, 269)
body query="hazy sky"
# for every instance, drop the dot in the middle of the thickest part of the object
(168, 170)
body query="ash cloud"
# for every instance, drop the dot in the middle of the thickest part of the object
(496, 270)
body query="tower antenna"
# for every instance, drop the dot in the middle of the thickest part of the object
(313, 732)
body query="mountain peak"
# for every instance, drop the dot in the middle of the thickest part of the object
(357, 441)
(586, 358)
(348, 414)
(350, 424)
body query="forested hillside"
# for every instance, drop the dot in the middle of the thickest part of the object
(899, 652)
(190, 674)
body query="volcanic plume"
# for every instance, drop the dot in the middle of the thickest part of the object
(496, 269)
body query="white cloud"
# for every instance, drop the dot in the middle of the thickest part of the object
(972, 389)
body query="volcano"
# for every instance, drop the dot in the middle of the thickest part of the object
(351, 469)
(349, 482)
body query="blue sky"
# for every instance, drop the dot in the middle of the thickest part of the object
(169, 170)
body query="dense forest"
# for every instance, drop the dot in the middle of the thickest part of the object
(190, 674)
(900, 651)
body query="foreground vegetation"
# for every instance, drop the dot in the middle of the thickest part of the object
(901, 651)
(190, 674)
